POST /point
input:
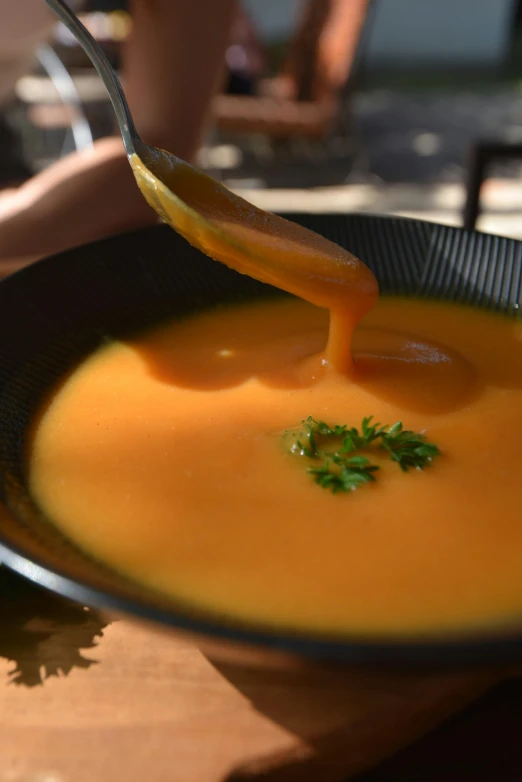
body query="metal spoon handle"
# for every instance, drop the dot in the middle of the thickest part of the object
(104, 68)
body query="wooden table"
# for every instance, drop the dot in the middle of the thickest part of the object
(83, 699)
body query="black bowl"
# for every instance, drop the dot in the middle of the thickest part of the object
(55, 312)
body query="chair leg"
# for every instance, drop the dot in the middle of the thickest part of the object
(476, 176)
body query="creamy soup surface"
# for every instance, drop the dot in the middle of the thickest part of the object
(163, 457)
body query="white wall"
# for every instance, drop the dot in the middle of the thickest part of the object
(439, 31)
(275, 19)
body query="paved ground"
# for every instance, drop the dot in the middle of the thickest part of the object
(425, 137)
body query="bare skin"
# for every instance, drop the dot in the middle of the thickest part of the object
(173, 65)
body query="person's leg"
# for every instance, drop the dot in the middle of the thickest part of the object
(173, 65)
(25, 25)
(170, 92)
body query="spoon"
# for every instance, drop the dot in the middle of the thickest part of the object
(233, 231)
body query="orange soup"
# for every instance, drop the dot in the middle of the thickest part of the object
(167, 457)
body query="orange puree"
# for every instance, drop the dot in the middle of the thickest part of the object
(162, 457)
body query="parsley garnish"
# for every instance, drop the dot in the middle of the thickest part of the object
(407, 448)
(343, 469)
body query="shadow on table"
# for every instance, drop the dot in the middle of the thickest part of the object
(42, 634)
(350, 722)
(481, 744)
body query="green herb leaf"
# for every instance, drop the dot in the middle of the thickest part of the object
(344, 475)
(407, 448)
(340, 472)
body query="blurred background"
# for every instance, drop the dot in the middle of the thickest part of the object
(407, 107)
